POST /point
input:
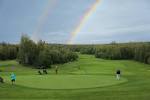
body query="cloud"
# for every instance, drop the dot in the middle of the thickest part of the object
(120, 20)
(55, 37)
(117, 20)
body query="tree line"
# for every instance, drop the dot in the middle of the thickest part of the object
(39, 55)
(8, 51)
(43, 54)
(115, 51)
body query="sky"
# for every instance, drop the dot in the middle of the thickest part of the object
(54, 20)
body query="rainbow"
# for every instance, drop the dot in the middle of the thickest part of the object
(42, 20)
(83, 20)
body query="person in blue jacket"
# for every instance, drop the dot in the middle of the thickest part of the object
(13, 78)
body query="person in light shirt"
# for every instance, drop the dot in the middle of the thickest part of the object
(118, 74)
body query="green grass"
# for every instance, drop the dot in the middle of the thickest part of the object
(66, 81)
(86, 79)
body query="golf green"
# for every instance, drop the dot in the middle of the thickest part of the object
(66, 81)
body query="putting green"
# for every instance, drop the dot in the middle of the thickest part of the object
(66, 81)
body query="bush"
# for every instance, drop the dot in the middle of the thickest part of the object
(42, 54)
(1, 80)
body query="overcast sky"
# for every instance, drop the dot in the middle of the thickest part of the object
(54, 20)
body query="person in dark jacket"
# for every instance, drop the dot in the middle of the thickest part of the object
(45, 71)
(118, 74)
(1, 80)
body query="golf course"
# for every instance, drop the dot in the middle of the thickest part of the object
(88, 78)
(74, 49)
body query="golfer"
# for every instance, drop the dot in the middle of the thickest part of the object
(56, 69)
(118, 74)
(13, 78)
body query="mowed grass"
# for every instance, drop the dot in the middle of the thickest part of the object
(66, 81)
(97, 77)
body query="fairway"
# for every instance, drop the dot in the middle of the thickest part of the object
(88, 78)
(66, 81)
